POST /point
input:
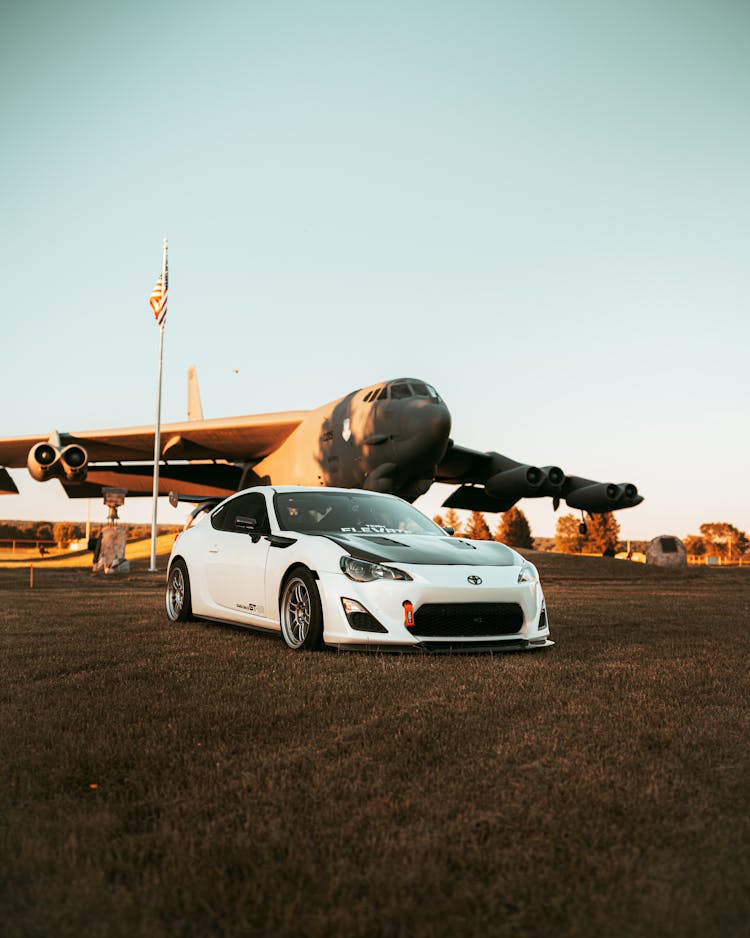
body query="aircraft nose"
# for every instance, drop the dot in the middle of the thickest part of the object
(425, 428)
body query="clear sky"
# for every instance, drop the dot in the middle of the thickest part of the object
(542, 208)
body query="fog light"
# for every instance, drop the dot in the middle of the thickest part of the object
(359, 618)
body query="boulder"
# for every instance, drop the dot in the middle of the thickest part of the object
(666, 551)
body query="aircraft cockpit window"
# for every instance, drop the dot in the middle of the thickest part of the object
(420, 389)
(401, 391)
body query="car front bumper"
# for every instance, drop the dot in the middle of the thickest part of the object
(449, 613)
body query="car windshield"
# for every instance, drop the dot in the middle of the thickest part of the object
(322, 511)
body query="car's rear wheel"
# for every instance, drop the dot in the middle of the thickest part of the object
(301, 612)
(179, 606)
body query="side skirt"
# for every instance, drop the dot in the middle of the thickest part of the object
(271, 628)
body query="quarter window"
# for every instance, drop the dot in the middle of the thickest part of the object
(217, 518)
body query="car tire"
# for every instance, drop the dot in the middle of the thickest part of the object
(300, 612)
(179, 606)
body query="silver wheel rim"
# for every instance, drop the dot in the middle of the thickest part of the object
(295, 612)
(175, 593)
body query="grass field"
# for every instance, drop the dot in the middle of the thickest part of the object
(199, 780)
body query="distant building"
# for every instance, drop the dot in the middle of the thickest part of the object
(666, 551)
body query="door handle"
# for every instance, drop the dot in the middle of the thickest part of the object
(214, 549)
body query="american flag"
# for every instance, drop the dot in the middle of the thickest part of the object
(158, 299)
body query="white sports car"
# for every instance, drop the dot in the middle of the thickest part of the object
(351, 568)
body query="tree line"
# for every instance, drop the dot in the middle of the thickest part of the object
(62, 533)
(601, 534)
(718, 539)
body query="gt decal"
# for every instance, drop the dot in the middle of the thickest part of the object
(250, 607)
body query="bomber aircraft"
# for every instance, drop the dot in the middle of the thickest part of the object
(393, 436)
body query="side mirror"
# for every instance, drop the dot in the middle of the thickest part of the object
(243, 523)
(448, 530)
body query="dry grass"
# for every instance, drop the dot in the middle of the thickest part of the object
(240, 789)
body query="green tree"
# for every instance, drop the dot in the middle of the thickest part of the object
(64, 532)
(514, 529)
(603, 533)
(477, 528)
(724, 540)
(695, 545)
(44, 532)
(568, 539)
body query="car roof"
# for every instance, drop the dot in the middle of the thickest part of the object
(287, 489)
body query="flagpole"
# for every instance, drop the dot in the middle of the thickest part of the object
(157, 433)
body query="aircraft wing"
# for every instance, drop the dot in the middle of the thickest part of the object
(109, 457)
(242, 438)
(493, 482)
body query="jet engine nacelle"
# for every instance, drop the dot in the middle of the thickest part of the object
(555, 480)
(601, 496)
(46, 461)
(521, 482)
(75, 462)
(511, 479)
(42, 461)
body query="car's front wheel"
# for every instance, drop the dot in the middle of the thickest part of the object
(301, 612)
(179, 606)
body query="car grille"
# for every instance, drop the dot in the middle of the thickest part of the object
(467, 620)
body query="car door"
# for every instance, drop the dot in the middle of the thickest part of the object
(236, 559)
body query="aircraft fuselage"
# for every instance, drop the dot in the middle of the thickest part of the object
(387, 437)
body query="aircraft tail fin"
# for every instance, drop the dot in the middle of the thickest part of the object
(194, 407)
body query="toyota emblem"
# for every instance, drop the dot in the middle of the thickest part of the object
(474, 580)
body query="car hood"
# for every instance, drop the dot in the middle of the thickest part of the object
(424, 549)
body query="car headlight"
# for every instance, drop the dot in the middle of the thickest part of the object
(528, 573)
(365, 572)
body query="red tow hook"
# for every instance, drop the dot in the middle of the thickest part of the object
(408, 614)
